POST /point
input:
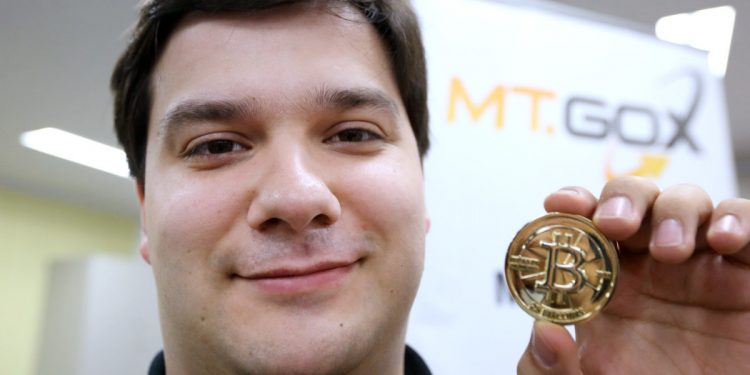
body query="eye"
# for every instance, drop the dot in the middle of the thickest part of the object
(215, 147)
(354, 135)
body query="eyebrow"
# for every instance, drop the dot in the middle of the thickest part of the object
(345, 99)
(198, 110)
(324, 99)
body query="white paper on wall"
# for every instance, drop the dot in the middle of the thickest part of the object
(524, 101)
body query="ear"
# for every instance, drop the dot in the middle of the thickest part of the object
(427, 224)
(143, 247)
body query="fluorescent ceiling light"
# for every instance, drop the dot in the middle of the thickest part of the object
(77, 149)
(708, 29)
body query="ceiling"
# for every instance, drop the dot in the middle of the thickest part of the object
(56, 57)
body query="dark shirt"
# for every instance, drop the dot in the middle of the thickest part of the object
(413, 364)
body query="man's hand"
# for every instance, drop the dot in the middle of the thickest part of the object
(682, 303)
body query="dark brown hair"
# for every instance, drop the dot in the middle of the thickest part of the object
(394, 21)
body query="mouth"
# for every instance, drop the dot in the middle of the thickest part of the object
(301, 280)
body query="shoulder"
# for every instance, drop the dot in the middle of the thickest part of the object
(414, 364)
(157, 365)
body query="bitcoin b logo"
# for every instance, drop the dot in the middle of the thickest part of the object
(563, 259)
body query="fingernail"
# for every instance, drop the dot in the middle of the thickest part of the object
(729, 224)
(543, 354)
(616, 207)
(568, 191)
(669, 233)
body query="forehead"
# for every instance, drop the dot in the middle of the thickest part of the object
(273, 51)
(284, 30)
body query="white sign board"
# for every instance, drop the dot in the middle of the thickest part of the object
(525, 100)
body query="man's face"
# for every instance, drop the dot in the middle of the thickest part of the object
(283, 204)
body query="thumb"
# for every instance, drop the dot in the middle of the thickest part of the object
(550, 351)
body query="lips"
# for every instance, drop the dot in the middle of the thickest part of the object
(323, 276)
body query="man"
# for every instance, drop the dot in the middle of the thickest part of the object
(277, 151)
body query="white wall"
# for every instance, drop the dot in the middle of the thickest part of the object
(101, 318)
(744, 183)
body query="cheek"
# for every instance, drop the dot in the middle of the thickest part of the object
(388, 197)
(388, 202)
(186, 219)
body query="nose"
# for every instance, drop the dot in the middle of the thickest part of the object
(292, 194)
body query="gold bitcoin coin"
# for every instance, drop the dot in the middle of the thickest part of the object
(560, 268)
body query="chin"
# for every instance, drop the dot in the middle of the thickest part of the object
(303, 356)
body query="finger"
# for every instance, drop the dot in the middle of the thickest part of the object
(571, 200)
(551, 351)
(729, 230)
(676, 216)
(622, 206)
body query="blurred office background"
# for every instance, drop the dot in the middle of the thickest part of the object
(55, 61)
